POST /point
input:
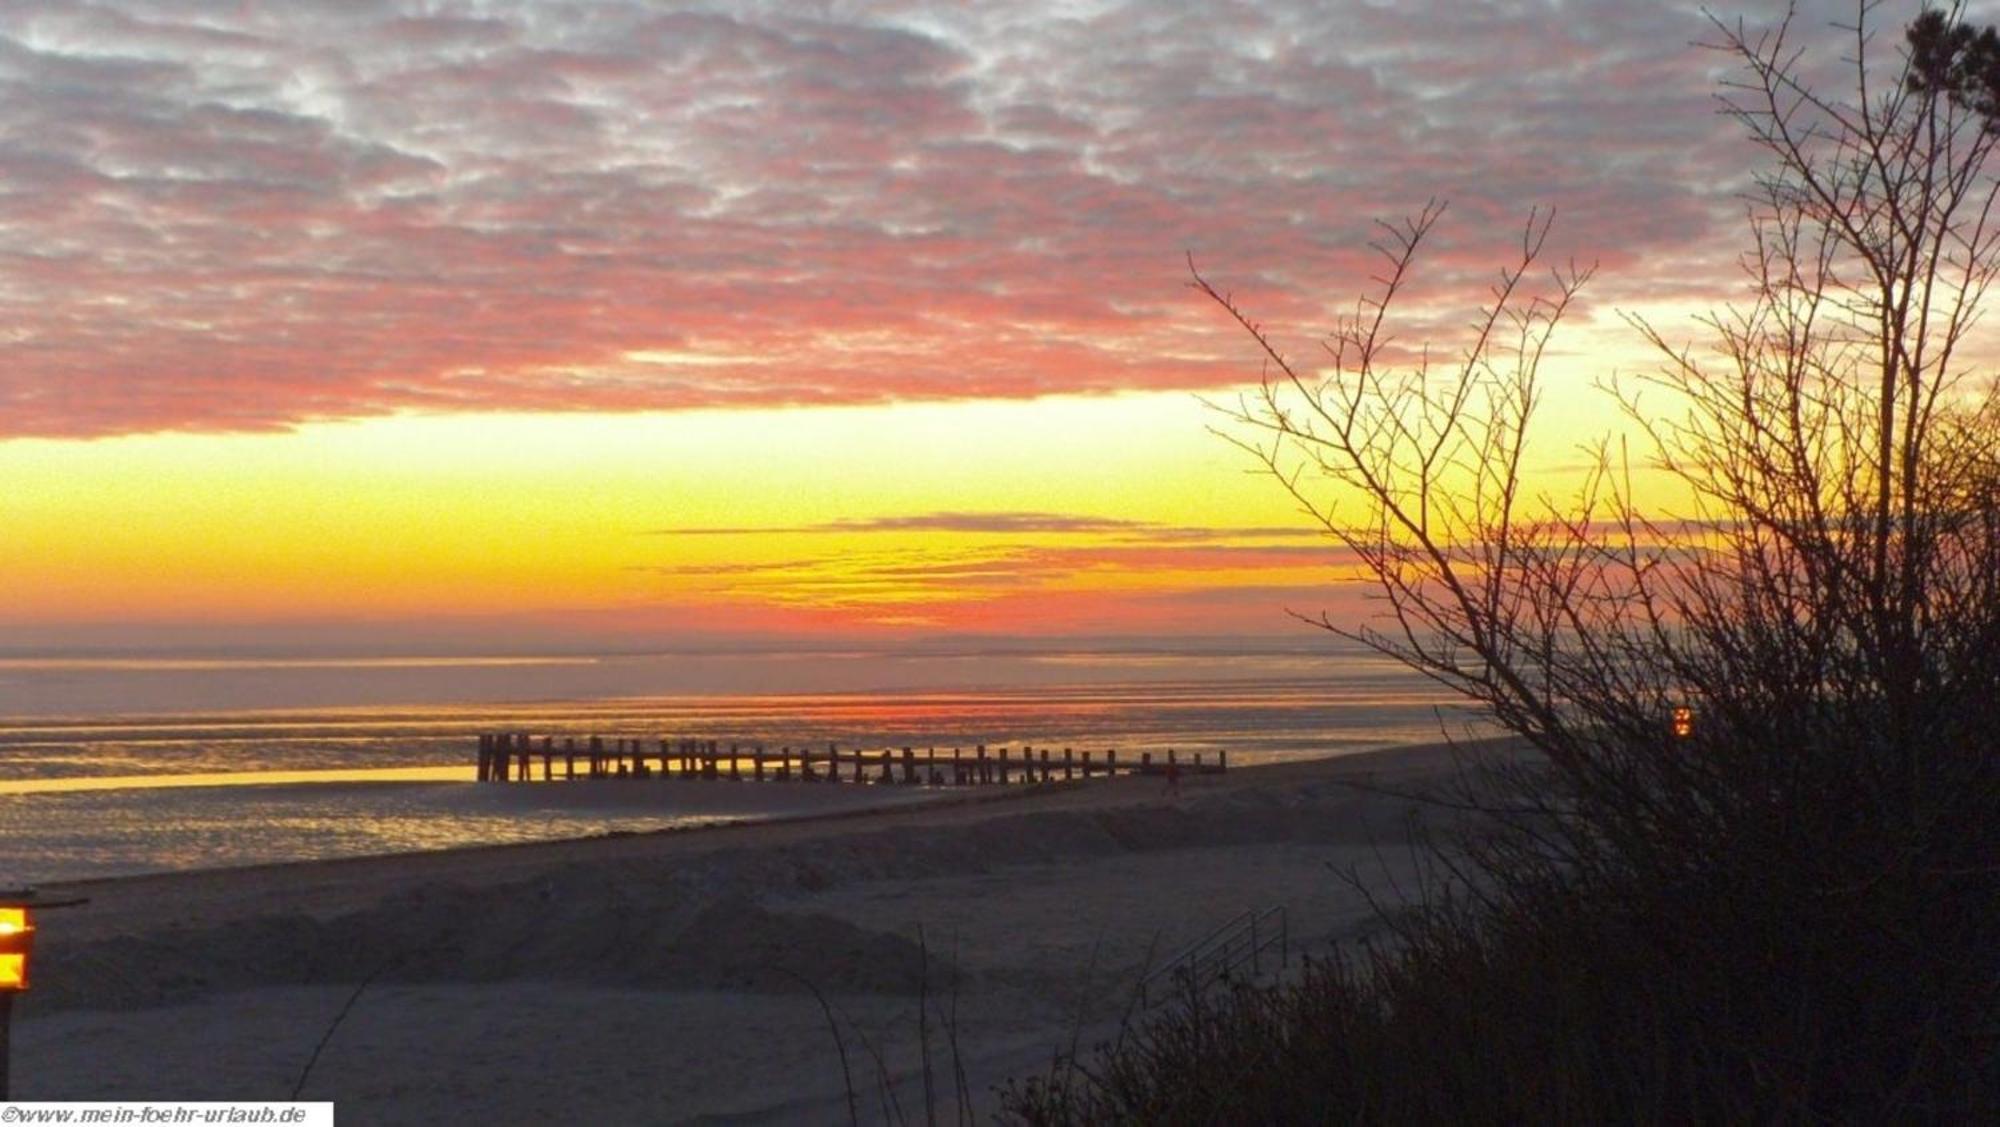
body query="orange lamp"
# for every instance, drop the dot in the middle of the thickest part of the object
(17, 942)
(1683, 722)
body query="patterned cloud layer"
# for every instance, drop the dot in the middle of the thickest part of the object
(221, 217)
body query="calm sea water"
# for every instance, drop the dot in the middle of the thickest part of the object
(123, 766)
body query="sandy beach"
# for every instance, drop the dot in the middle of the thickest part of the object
(688, 976)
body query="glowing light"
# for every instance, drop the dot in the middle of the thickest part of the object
(1683, 722)
(17, 940)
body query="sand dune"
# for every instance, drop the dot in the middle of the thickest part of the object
(680, 977)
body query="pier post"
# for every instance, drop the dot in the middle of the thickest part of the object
(1221, 762)
(508, 756)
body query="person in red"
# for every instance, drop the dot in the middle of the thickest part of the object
(1173, 778)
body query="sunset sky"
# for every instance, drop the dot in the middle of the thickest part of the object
(514, 325)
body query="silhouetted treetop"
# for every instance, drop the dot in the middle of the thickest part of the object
(1958, 61)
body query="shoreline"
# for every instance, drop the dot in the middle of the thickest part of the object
(468, 860)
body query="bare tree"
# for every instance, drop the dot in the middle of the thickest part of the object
(1827, 609)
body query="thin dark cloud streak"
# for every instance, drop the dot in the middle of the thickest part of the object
(248, 217)
(1004, 524)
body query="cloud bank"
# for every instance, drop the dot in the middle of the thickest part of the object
(247, 216)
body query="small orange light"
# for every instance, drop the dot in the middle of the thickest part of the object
(17, 940)
(1683, 722)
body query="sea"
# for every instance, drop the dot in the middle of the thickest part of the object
(121, 765)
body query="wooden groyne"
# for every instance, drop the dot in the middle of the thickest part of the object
(515, 757)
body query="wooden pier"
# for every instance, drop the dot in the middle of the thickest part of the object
(514, 757)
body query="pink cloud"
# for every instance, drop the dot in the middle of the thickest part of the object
(235, 218)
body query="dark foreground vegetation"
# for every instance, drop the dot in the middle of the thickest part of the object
(1817, 952)
(1791, 911)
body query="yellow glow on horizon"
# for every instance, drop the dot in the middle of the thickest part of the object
(404, 517)
(474, 513)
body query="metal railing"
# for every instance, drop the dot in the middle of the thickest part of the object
(1246, 941)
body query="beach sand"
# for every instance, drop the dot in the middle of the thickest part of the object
(688, 976)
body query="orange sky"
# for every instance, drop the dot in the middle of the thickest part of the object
(1090, 516)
